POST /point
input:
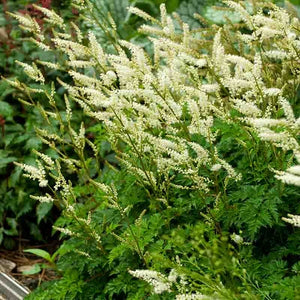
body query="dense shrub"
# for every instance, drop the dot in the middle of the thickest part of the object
(181, 177)
(20, 216)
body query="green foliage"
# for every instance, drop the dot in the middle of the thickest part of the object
(18, 136)
(184, 198)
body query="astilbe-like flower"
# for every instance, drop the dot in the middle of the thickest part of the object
(43, 199)
(193, 296)
(161, 283)
(27, 23)
(292, 219)
(52, 17)
(35, 173)
(157, 280)
(32, 71)
(48, 160)
(283, 133)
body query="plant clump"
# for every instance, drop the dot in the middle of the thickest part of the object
(183, 172)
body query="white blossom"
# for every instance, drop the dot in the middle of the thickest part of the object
(242, 12)
(276, 54)
(216, 167)
(52, 17)
(247, 109)
(289, 178)
(210, 88)
(193, 296)
(48, 160)
(43, 199)
(292, 219)
(288, 111)
(264, 122)
(32, 71)
(65, 231)
(27, 23)
(35, 173)
(157, 280)
(272, 92)
(237, 238)
(294, 170)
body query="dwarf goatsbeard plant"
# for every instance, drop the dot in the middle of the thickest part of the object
(160, 107)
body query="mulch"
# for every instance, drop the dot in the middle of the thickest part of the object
(21, 258)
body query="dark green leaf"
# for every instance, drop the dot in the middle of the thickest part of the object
(42, 210)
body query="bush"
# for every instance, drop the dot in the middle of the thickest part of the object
(19, 214)
(179, 178)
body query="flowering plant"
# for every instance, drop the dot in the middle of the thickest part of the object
(201, 133)
(20, 216)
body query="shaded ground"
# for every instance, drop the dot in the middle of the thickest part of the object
(20, 260)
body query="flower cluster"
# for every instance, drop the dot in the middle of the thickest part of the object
(35, 173)
(157, 280)
(293, 219)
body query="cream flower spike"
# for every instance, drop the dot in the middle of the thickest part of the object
(292, 219)
(52, 17)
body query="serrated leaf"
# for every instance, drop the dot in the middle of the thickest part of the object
(9, 138)
(219, 16)
(35, 232)
(14, 128)
(6, 160)
(6, 109)
(25, 205)
(187, 9)
(33, 143)
(22, 138)
(13, 227)
(14, 177)
(5, 89)
(42, 210)
(3, 86)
